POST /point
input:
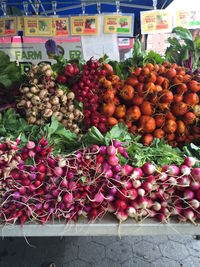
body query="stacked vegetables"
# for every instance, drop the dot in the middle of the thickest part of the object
(41, 99)
(90, 182)
(156, 101)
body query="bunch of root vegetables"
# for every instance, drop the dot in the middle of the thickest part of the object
(156, 101)
(41, 99)
(90, 182)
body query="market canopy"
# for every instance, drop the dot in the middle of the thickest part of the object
(68, 7)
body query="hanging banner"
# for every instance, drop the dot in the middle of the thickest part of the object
(8, 26)
(84, 25)
(20, 23)
(119, 24)
(188, 19)
(156, 21)
(60, 26)
(38, 26)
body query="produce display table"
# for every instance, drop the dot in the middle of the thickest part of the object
(107, 227)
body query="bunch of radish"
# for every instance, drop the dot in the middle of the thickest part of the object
(89, 182)
(41, 99)
(87, 91)
(70, 72)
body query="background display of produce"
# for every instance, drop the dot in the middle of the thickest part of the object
(105, 137)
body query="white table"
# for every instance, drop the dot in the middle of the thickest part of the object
(109, 226)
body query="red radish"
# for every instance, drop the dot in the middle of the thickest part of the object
(189, 214)
(194, 185)
(131, 212)
(30, 145)
(113, 160)
(185, 170)
(156, 206)
(121, 216)
(190, 161)
(173, 170)
(143, 202)
(196, 174)
(162, 177)
(122, 194)
(99, 197)
(116, 144)
(132, 193)
(137, 173)
(172, 180)
(58, 171)
(147, 186)
(136, 183)
(100, 159)
(194, 203)
(108, 174)
(141, 192)
(120, 204)
(188, 194)
(68, 198)
(126, 170)
(148, 168)
(111, 151)
(41, 168)
(127, 185)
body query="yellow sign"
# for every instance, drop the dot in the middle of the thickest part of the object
(38, 26)
(118, 24)
(2, 27)
(156, 21)
(20, 23)
(188, 19)
(8, 26)
(84, 25)
(60, 27)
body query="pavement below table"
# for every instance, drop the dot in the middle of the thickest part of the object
(136, 251)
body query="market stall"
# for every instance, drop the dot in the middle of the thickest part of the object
(91, 145)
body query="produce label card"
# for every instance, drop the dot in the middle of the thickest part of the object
(38, 26)
(84, 25)
(30, 26)
(10, 26)
(44, 27)
(60, 27)
(121, 25)
(188, 19)
(2, 27)
(157, 21)
(20, 23)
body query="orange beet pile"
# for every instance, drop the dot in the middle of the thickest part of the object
(158, 101)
